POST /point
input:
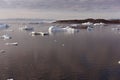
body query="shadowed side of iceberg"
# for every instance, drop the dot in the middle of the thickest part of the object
(3, 26)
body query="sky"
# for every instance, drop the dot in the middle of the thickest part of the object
(60, 9)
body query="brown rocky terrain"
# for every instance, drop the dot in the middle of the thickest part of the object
(111, 21)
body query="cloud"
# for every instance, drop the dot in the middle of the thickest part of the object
(70, 5)
(59, 9)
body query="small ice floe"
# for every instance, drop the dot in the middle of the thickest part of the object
(2, 51)
(13, 44)
(70, 30)
(90, 28)
(54, 29)
(87, 24)
(99, 24)
(26, 28)
(10, 79)
(44, 33)
(74, 25)
(5, 37)
(118, 62)
(39, 33)
(3, 26)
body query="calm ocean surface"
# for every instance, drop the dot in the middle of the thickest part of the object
(86, 55)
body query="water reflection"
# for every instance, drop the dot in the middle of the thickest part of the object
(84, 56)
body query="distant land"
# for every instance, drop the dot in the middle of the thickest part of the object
(72, 21)
(106, 21)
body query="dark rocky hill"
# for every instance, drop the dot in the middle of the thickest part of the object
(111, 21)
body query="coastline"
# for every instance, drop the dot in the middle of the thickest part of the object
(78, 21)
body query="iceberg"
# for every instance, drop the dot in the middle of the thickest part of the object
(54, 29)
(5, 37)
(87, 24)
(10, 79)
(3, 26)
(13, 44)
(70, 30)
(118, 62)
(39, 33)
(99, 24)
(74, 25)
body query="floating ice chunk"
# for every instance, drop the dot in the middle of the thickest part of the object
(10, 79)
(35, 33)
(14, 44)
(70, 30)
(44, 33)
(2, 51)
(5, 37)
(39, 33)
(54, 29)
(74, 25)
(26, 28)
(87, 24)
(118, 62)
(3, 26)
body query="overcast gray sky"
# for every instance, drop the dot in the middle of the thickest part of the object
(60, 9)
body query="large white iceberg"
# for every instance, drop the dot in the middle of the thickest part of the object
(54, 29)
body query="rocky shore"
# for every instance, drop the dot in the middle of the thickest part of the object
(110, 21)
